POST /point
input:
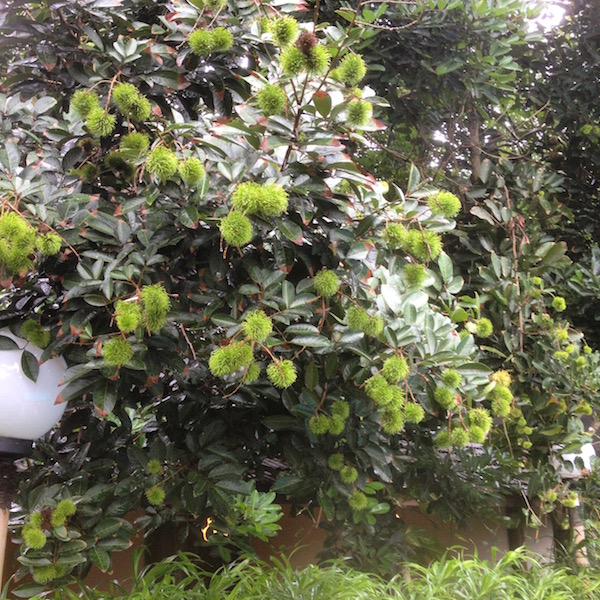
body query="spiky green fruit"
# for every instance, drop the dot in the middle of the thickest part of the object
(358, 501)
(100, 123)
(374, 326)
(271, 100)
(128, 316)
(319, 424)
(357, 318)
(442, 439)
(480, 417)
(130, 102)
(155, 495)
(270, 200)
(155, 305)
(559, 304)
(200, 42)
(117, 351)
(284, 30)
(162, 162)
(358, 113)
(424, 245)
(252, 372)
(337, 425)
(236, 229)
(64, 509)
(257, 326)
(484, 327)
(395, 369)
(282, 374)
(326, 283)
(49, 243)
(348, 474)
(292, 61)
(117, 163)
(83, 101)
(396, 236)
(451, 378)
(561, 355)
(33, 536)
(459, 437)
(134, 144)
(351, 70)
(414, 274)
(336, 461)
(500, 407)
(414, 413)
(340, 408)
(445, 204)
(392, 421)
(502, 392)
(229, 359)
(88, 172)
(154, 467)
(445, 397)
(316, 62)
(191, 171)
(476, 434)
(33, 332)
(376, 388)
(44, 574)
(222, 39)
(501, 377)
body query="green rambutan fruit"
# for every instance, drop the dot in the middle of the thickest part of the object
(273, 200)
(44, 574)
(501, 377)
(580, 362)
(395, 369)
(348, 474)
(374, 326)
(316, 62)
(414, 274)
(200, 42)
(484, 327)
(125, 95)
(424, 245)
(445, 204)
(13, 225)
(445, 397)
(396, 398)
(357, 318)
(271, 100)
(282, 374)
(414, 413)
(257, 326)
(100, 123)
(476, 434)
(33, 332)
(319, 424)
(561, 355)
(83, 101)
(442, 439)
(155, 304)
(154, 467)
(134, 144)
(452, 378)
(392, 421)
(337, 425)
(358, 501)
(340, 408)
(65, 509)
(88, 172)
(49, 243)
(284, 30)
(292, 61)
(252, 372)
(351, 70)
(459, 437)
(141, 109)
(36, 519)
(222, 39)
(326, 283)
(501, 392)
(128, 316)
(336, 461)
(480, 417)
(270, 200)
(229, 359)
(117, 351)
(33, 536)
(191, 171)
(236, 229)
(559, 304)
(376, 388)
(501, 407)
(155, 495)
(358, 113)
(162, 162)
(396, 236)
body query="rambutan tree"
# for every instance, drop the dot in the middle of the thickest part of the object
(244, 310)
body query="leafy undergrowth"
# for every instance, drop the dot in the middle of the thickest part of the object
(518, 575)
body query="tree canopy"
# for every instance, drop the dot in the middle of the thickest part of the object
(261, 290)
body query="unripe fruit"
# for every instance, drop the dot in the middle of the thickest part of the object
(395, 369)
(444, 204)
(292, 61)
(222, 39)
(162, 162)
(130, 102)
(559, 304)
(155, 304)
(348, 474)
(201, 42)
(135, 144)
(442, 439)
(392, 421)
(282, 374)
(414, 413)
(155, 495)
(49, 243)
(117, 351)
(452, 378)
(337, 424)
(484, 327)
(236, 229)
(396, 235)
(445, 397)
(414, 274)
(33, 536)
(271, 100)
(358, 501)
(480, 417)
(340, 408)
(319, 424)
(351, 70)
(270, 200)
(128, 316)
(502, 377)
(316, 62)
(83, 101)
(191, 171)
(257, 326)
(118, 164)
(229, 359)
(336, 462)
(100, 123)
(326, 283)
(459, 438)
(424, 245)
(284, 30)
(476, 434)
(358, 113)
(154, 467)
(357, 318)
(44, 574)
(252, 373)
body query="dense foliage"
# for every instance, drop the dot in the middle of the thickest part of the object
(248, 311)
